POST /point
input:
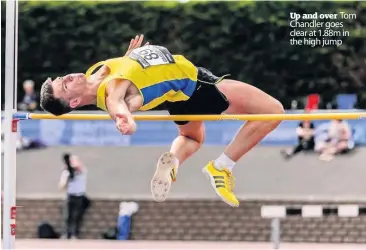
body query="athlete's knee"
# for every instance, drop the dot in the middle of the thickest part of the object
(275, 107)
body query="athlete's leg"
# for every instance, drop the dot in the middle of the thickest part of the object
(189, 140)
(247, 99)
(243, 99)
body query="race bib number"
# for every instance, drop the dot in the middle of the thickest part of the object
(152, 55)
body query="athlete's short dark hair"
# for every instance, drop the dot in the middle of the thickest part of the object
(49, 103)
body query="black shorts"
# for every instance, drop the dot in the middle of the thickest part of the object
(205, 100)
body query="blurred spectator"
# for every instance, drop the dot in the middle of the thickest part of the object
(339, 140)
(126, 210)
(73, 179)
(22, 143)
(30, 99)
(305, 133)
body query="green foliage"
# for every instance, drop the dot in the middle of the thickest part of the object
(249, 40)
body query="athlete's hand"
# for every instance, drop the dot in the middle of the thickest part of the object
(124, 125)
(135, 43)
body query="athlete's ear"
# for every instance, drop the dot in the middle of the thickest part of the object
(74, 102)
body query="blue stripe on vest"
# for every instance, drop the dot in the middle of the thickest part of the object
(187, 86)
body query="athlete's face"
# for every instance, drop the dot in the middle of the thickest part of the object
(70, 88)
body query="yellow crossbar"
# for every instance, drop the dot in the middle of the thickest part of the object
(262, 117)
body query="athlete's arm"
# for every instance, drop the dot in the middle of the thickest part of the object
(116, 93)
(117, 107)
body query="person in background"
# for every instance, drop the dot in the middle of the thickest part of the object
(339, 140)
(305, 133)
(73, 180)
(126, 210)
(30, 99)
(22, 143)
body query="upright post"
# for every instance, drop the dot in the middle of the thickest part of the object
(275, 233)
(10, 125)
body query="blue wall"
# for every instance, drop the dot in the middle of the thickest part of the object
(104, 133)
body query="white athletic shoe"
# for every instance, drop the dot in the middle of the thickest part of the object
(164, 175)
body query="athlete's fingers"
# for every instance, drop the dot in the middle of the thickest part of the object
(139, 42)
(126, 130)
(118, 128)
(122, 129)
(131, 43)
(122, 117)
(136, 41)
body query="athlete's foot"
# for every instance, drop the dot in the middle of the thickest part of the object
(223, 183)
(165, 174)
